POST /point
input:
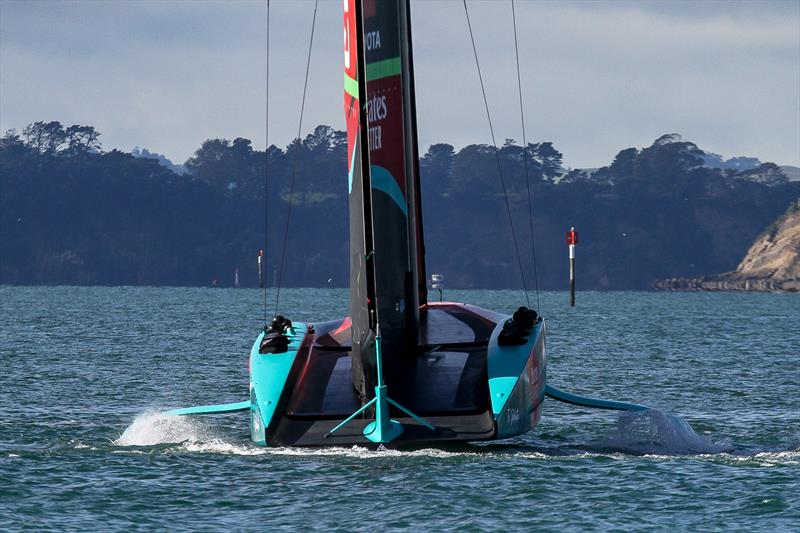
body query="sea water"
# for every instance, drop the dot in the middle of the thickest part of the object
(84, 373)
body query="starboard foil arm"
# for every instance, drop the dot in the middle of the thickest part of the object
(596, 403)
(211, 409)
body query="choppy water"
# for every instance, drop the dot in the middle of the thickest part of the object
(83, 372)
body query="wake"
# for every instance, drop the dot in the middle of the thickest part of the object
(655, 432)
(195, 436)
(151, 428)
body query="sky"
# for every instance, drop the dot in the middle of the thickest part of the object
(597, 76)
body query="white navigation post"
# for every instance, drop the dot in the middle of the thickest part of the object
(572, 240)
(260, 270)
(437, 282)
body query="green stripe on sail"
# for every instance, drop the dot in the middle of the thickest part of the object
(383, 69)
(350, 86)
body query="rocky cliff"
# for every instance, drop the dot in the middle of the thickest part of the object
(771, 264)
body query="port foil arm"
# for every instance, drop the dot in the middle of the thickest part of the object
(211, 409)
(597, 403)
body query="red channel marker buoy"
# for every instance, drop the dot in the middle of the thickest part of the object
(572, 240)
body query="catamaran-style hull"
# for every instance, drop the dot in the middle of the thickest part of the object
(461, 381)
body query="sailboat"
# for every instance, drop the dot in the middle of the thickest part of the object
(400, 370)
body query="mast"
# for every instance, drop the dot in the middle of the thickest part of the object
(412, 153)
(386, 252)
(362, 279)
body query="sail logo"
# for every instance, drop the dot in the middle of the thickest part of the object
(376, 110)
(373, 40)
(347, 36)
(375, 142)
(346, 45)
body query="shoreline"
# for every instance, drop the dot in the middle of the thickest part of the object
(719, 284)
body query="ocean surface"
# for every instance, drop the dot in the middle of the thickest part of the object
(84, 372)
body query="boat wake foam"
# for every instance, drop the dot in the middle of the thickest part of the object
(194, 436)
(644, 433)
(652, 433)
(655, 432)
(153, 428)
(354, 452)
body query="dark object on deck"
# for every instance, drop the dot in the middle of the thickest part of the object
(275, 341)
(516, 330)
(279, 324)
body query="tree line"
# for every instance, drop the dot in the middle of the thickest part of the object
(71, 213)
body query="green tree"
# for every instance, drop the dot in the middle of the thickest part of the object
(45, 137)
(82, 139)
(548, 159)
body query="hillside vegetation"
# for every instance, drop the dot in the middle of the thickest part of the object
(772, 263)
(71, 213)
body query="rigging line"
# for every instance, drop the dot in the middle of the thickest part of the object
(497, 157)
(294, 162)
(266, 180)
(525, 159)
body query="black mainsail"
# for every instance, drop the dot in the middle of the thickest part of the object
(387, 279)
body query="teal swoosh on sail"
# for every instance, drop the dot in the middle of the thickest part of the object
(350, 174)
(382, 180)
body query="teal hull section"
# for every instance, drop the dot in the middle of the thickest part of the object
(268, 375)
(517, 380)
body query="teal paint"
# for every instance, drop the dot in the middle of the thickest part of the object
(521, 411)
(506, 365)
(268, 375)
(383, 181)
(258, 433)
(596, 403)
(383, 429)
(350, 173)
(211, 409)
(341, 424)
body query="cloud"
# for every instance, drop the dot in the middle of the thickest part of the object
(598, 76)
